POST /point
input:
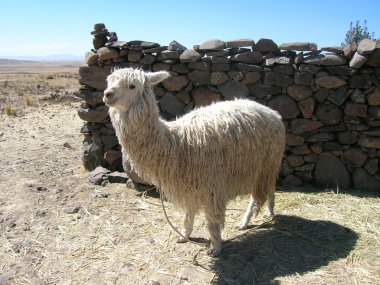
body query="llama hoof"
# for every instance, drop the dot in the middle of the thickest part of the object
(268, 215)
(214, 252)
(181, 239)
(241, 227)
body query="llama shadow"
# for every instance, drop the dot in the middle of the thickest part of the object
(285, 246)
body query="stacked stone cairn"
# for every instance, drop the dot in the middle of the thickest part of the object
(329, 99)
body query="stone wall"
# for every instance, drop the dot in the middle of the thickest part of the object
(329, 99)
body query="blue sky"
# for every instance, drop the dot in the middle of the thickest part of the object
(45, 27)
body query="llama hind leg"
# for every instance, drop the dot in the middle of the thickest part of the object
(252, 208)
(188, 224)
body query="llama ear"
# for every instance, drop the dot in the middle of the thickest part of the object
(154, 78)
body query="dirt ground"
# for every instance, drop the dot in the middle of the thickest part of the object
(57, 228)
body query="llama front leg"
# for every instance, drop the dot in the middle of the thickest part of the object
(270, 205)
(252, 208)
(215, 221)
(188, 224)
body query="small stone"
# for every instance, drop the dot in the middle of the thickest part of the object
(202, 65)
(286, 60)
(40, 213)
(104, 183)
(117, 177)
(176, 46)
(251, 77)
(97, 175)
(261, 90)
(347, 138)
(303, 78)
(294, 160)
(319, 137)
(372, 166)
(71, 209)
(199, 77)
(167, 54)
(94, 115)
(374, 59)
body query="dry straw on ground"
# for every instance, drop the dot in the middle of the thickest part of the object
(56, 228)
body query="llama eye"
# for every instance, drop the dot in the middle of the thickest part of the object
(132, 86)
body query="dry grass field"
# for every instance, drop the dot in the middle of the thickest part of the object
(57, 228)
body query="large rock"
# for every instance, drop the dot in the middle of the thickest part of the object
(97, 176)
(169, 103)
(91, 97)
(374, 97)
(329, 114)
(266, 45)
(277, 79)
(218, 77)
(213, 44)
(355, 109)
(300, 126)
(233, 89)
(261, 90)
(358, 61)
(370, 142)
(354, 157)
(105, 53)
(199, 77)
(189, 55)
(330, 81)
(325, 59)
(204, 96)
(93, 76)
(339, 96)
(90, 58)
(364, 181)
(374, 59)
(366, 46)
(285, 60)
(349, 50)
(92, 155)
(331, 172)
(307, 107)
(251, 77)
(285, 105)
(252, 57)
(94, 115)
(299, 92)
(246, 67)
(299, 46)
(240, 43)
(175, 83)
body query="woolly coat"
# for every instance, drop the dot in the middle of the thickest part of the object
(207, 157)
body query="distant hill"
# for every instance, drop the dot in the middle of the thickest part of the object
(54, 57)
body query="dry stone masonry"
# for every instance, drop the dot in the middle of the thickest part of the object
(329, 99)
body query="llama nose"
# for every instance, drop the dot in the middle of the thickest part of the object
(108, 93)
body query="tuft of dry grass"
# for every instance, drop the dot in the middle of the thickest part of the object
(28, 100)
(9, 110)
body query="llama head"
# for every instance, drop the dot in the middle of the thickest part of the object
(125, 86)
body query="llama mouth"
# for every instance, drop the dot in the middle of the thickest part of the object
(108, 101)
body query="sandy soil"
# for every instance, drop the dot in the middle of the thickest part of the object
(57, 228)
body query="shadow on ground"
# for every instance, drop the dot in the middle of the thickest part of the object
(285, 246)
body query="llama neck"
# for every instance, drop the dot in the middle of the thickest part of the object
(140, 130)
